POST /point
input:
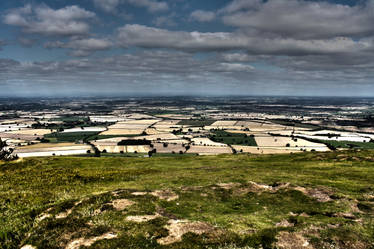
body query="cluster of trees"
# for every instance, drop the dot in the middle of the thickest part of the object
(134, 142)
(6, 153)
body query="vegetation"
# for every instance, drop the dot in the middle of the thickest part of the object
(325, 198)
(70, 136)
(225, 137)
(348, 144)
(97, 137)
(135, 142)
(6, 153)
(196, 122)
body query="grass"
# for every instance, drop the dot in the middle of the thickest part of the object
(241, 216)
(225, 137)
(69, 136)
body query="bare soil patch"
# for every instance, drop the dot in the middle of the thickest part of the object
(122, 204)
(177, 228)
(288, 240)
(75, 244)
(321, 194)
(167, 195)
(142, 218)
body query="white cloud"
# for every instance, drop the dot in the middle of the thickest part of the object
(202, 16)
(43, 20)
(107, 5)
(151, 5)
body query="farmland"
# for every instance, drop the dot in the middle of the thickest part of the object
(214, 126)
(319, 200)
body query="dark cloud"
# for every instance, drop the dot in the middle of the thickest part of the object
(301, 19)
(175, 72)
(148, 37)
(27, 42)
(2, 43)
(82, 47)
(8, 64)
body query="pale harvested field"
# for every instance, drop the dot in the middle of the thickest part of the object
(122, 132)
(169, 137)
(109, 141)
(175, 116)
(4, 135)
(344, 136)
(193, 129)
(174, 141)
(52, 149)
(33, 132)
(164, 136)
(224, 123)
(262, 150)
(265, 141)
(139, 116)
(47, 145)
(51, 153)
(129, 127)
(261, 126)
(206, 141)
(167, 129)
(16, 121)
(12, 127)
(167, 123)
(169, 149)
(85, 129)
(125, 149)
(153, 131)
(209, 150)
(108, 118)
(340, 138)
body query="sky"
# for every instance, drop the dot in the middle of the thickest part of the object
(186, 47)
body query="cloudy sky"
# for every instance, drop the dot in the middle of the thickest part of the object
(186, 47)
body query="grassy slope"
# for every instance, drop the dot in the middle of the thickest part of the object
(29, 187)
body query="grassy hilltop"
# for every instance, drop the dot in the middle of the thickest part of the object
(307, 200)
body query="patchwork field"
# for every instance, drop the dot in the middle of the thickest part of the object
(129, 127)
(308, 200)
(57, 149)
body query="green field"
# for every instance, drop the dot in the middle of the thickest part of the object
(96, 136)
(348, 144)
(69, 136)
(196, 122)
(225, 137)
(319, 200)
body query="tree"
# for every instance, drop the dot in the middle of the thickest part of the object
(6, 153)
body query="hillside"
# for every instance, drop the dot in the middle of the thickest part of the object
(306, 200)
